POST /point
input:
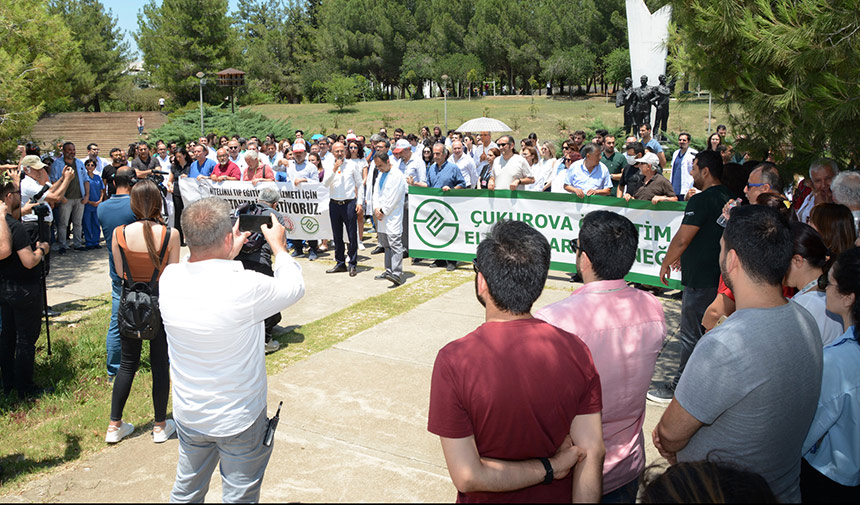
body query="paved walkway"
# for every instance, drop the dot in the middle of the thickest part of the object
(353, 426)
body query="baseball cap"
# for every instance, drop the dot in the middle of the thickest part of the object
(299, 146)
(351, 136)
(649, 158)
(32, 161)
(401, 145)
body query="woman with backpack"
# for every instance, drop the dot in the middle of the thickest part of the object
(141, 250)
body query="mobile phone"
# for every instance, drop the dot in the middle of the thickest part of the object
(251, 223)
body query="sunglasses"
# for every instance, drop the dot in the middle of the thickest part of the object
(475, 265)
(574, 244)
(501, 144)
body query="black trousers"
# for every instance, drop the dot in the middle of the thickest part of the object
(177, 215)
(816, 487)
(344, 214)
(128, 365)
(21, 319)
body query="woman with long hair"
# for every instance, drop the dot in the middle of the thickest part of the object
(714, 140)
(830, 469)
(141, 243)
(809, 261)
(835, 223)
(355, 155)
(179, 168)
(427, 155)
(487, 167)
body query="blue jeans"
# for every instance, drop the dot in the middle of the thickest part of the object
(624, 494)
(243, 463)
(112, 341)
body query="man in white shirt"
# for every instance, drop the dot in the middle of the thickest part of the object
(821, 174)
(388, 202)
(326, 157)
(93, 154)
(510, 170)
(481, 151)
(345, 204)
(235, 156)
(162, 156)
(217, 362)
(465, 163)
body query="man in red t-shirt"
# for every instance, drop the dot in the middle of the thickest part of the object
(225, 170)
(517, 402)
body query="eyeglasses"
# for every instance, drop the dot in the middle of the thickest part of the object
(502, 144)
(755, 184)
(823, 282)
(574, 244)
(233, 148)
(475, 265)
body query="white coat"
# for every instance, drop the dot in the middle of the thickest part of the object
(686, 168)
(390, 200)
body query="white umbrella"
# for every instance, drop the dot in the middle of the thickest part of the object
(484, 124)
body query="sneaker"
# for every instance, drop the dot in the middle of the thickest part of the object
(381, 277)
(160, 435)
(117, 433)
(312, 256)
(662, 395)
(272, 346)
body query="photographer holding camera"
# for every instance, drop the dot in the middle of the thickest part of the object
(213, 312)
(40, 195)
(21, 300)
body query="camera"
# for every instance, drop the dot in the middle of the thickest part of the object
(156, 176)
(42, 210)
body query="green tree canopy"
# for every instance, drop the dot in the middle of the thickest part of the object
(791, 66)
(341, 91)
(179, 38)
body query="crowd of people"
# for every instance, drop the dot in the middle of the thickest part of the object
(767, 388)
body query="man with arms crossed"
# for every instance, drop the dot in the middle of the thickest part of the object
(620, 325)
(751, 387)
(508, 399)
(217, 359)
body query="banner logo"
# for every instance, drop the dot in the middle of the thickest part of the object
(436, 223)
(309, 224)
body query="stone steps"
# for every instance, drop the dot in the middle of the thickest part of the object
(107, 129)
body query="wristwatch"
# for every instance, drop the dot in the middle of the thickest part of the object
(548, 478)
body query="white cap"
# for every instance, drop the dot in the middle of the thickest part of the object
(401, 145)
(649, 158)
(299, 146)
(351, 136)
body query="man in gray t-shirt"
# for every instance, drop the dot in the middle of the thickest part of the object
(751, 386)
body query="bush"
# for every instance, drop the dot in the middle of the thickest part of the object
(184, 125)
(341, 91)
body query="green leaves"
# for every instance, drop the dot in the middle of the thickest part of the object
(184, 125)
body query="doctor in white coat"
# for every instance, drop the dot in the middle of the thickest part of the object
(388, 193)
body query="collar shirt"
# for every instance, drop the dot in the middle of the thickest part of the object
(100, 164)
(329, 157)
(217, 360)
(241, 163)
(204, 169)
(680, 176)
(344, 183)
(579, 177)
(467, 167)
(164, 162)
(416, 169)
(446, 175)
(57, 171)
(805, 209)
(303, 169)
(212, 154)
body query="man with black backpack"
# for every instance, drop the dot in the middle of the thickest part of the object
(256, 254)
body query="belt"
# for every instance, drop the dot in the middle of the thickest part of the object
(342, 202)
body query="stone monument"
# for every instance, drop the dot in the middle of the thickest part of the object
(624, 98)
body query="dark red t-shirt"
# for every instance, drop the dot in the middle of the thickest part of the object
(230, 170)
(516, 386)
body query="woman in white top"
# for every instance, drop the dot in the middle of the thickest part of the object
(355, 154)
(809, 260)
(544, 174)
(531, 156)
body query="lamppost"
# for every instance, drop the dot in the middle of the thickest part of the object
(202, 82)
(445, 80)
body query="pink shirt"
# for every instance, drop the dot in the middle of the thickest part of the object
(624, 329)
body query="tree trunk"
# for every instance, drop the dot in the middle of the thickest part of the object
(97, 106)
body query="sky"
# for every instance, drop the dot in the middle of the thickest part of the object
(125, 11)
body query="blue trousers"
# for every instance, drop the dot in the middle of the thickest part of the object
(92, 230)
(113, 344)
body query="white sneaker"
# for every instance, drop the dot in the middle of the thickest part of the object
(117, 433)
(160, 434)
(272, 346)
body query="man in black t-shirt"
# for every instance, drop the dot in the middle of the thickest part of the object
(144, 163)
(20, 300)
(109, 171)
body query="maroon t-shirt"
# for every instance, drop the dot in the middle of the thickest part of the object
(516, 386)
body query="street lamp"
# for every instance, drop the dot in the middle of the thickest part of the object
(445, 80)
(200, 76)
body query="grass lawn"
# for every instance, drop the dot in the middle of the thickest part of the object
(70, 423)
(549, 117)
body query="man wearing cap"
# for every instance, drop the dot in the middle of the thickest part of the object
(345, 204)
(35, 180)
(465, 163)
(388, 203)
(413, 169)
(654, 188)
(588, 176)
(300, 171)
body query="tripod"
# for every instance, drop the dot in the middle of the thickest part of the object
(44, 268)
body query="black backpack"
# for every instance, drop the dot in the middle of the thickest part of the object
(139, 316)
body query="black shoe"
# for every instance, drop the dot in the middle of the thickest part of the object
(377, 250)
(405, 254)
(80, 248)
(352, 271)
(62, 250)
(415, 260)
(336, 269)
(397, 281)
(381, 277)
(53, 313)
(438, 264)
(662, 395)
(452, 265)
(296, 253)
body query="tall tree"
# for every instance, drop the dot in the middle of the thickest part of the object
(37, 51)
(179, 38)
(790, 65)
(103, 51)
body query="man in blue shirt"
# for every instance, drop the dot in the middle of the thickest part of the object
(588, 176)
(444, 175)
(202, 165)
(652, 144)
(113, 212)
(71, 205)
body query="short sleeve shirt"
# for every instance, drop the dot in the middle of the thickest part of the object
(516, 386)
(700, 262)
(579, 177)
(657, 186)
(631, 179)
(29, 189)
(11, 267)
(506, 171)
(654, 146)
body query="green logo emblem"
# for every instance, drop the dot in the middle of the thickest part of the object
(436, 223)
(309, 224)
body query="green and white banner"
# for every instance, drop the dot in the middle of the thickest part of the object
(304, 207)
(449, 225)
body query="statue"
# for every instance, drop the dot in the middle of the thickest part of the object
(662, 93)
(642, 103)
(624, 98)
